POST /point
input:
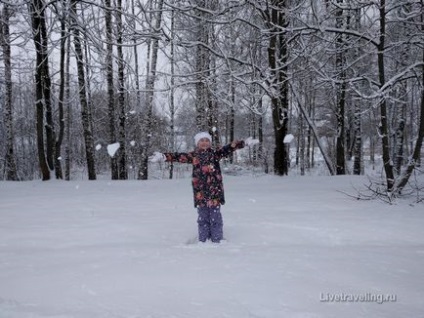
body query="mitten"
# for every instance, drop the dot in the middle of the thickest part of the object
(251, 142)
(157, 157)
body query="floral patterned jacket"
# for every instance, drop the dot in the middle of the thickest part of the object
(208, 188)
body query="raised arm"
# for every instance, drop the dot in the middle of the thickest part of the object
(230, 148)
(182, 157)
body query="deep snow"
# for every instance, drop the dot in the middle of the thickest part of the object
(296, 247)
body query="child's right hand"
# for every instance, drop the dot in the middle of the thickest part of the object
(157, 157)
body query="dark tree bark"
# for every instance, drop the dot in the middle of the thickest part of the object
(150, 87)
(139, 110)
(62, 85)
(45, 81)
(68, 113)
(172, 95)
(384, 127)
(202, 67)
(277, 60)
(232, 117)
(413, 162)
(110, 86)
(37, 19)
(341, 92)
(10, 166)
(85, 115)
(403, 96)
(357, 117)
(122, 153)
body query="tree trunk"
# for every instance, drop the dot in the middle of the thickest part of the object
(139, 111)
(357, 117)
(403, 97)
(213, 105)
(172, 95)
(414, 161)
(150, 87)
(277, 60)
(88, 71)
(68, 114)
(357, 149)
(400, 130)
(384, 127)
(110, 87)
(35, 8)
(340, 92)
(302, 145)
(47, 88)
(85, 115)
(58, 146)
(313, 128)
(122, 153)
(232, 116)
(45, 82)
(10, 165)
(202, 69)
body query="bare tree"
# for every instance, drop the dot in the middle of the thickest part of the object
(10, 163)
(357, 109)
(150, 90)
(123, 172)
(110, 85)
(85, 117)
(42, 87)
(172, 93)
(401, 31)
(384, 126)
(62, 87)
(68, 112)
(202, 64)
(224, 62)
(138, 106)
(413, 162)
(340, 88)
(278, 64)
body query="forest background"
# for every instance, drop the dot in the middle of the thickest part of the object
(97, 86)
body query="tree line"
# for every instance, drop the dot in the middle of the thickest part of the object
(343, 76)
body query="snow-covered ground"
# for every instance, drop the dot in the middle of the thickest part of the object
(296, 247)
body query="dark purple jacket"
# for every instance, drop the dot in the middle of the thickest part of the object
(208, 189)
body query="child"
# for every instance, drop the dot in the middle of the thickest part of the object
(208, 190)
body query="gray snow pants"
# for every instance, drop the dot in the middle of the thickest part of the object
(210, 224)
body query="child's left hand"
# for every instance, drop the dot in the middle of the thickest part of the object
(234, 143)
(251, 142)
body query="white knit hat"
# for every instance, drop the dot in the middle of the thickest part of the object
(201, 135)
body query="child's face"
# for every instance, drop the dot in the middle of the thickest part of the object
(204, 144)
